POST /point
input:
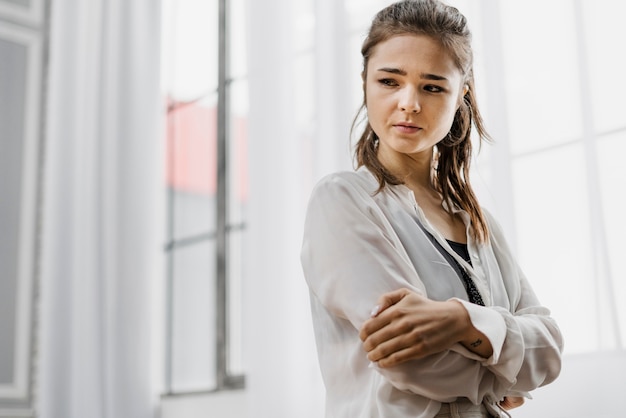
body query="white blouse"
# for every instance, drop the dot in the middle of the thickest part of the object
(358, 245)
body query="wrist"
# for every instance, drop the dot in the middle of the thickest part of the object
(462, 321)
(471, 338)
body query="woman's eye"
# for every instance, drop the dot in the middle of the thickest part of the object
(388, 82)
(433, 89)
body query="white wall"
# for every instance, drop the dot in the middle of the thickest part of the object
(590, 385)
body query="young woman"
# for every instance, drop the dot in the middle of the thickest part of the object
(419, 307)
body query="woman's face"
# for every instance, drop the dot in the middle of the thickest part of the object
(412, 89)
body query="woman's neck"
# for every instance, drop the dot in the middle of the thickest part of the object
(414, 170)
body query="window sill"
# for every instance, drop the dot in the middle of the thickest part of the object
(226, 404)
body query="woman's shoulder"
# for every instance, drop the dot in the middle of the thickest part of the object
(346, 183)
(491, 220)
(344, 197)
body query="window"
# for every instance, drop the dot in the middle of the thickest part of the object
(564, 130)
(23, 33)
(204, 82)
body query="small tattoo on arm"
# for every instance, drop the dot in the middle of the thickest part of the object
(476, 343)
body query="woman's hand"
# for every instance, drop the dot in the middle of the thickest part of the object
(406, 326)
(510, 402)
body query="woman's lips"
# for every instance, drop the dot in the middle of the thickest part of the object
(406, 128)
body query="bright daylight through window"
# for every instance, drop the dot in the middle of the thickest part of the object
(205, 89)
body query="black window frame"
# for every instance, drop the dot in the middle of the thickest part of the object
(224, 379)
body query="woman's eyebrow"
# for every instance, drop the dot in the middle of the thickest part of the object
(425, 76)
(390, 70)
(433, 77)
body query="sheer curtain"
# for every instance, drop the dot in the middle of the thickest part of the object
(103, 212)
(298, 130)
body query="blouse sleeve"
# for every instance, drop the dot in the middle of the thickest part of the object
(530, 353)
(350, 257)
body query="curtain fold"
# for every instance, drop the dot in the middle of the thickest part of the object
(101, 267)
(299, 123)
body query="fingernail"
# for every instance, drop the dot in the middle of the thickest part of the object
(375, 310)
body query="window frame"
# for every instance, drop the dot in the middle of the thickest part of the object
(224, 379)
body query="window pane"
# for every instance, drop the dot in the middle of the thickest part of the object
(13, 156)
(611, 153)
(304, 25)
(304, 94)
(604, 26)
(237, 220)
(554, 242)
(237, 275)
(194, 320)
(238, 153)
(542, 75)
(190, 37)
(237, 38)
(191, 174)
(361, 13)
(482, 176)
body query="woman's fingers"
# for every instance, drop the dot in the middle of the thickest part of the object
(409, 326)
(390, 336)
(389, 299)
(378, 319)
(510, 402)
(398, 357)
(396, 350)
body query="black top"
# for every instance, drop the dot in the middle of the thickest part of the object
(461, 249)
(470, 287)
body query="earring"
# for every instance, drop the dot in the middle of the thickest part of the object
(434, 159)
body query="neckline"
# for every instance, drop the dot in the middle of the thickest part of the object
(451, 242)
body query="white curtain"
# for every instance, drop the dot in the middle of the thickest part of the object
(103, 205)
(287, 152)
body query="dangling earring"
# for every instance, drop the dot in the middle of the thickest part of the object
(434, 165)
(371, 137)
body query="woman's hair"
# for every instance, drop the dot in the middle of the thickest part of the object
(453, 153)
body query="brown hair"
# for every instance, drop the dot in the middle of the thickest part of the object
(449, 27)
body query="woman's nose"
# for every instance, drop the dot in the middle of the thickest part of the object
(409, 101)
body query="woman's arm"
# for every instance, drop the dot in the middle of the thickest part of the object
(528, 344)
(531, 352)
(350, 257)
(387, 345)
(406, 325)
